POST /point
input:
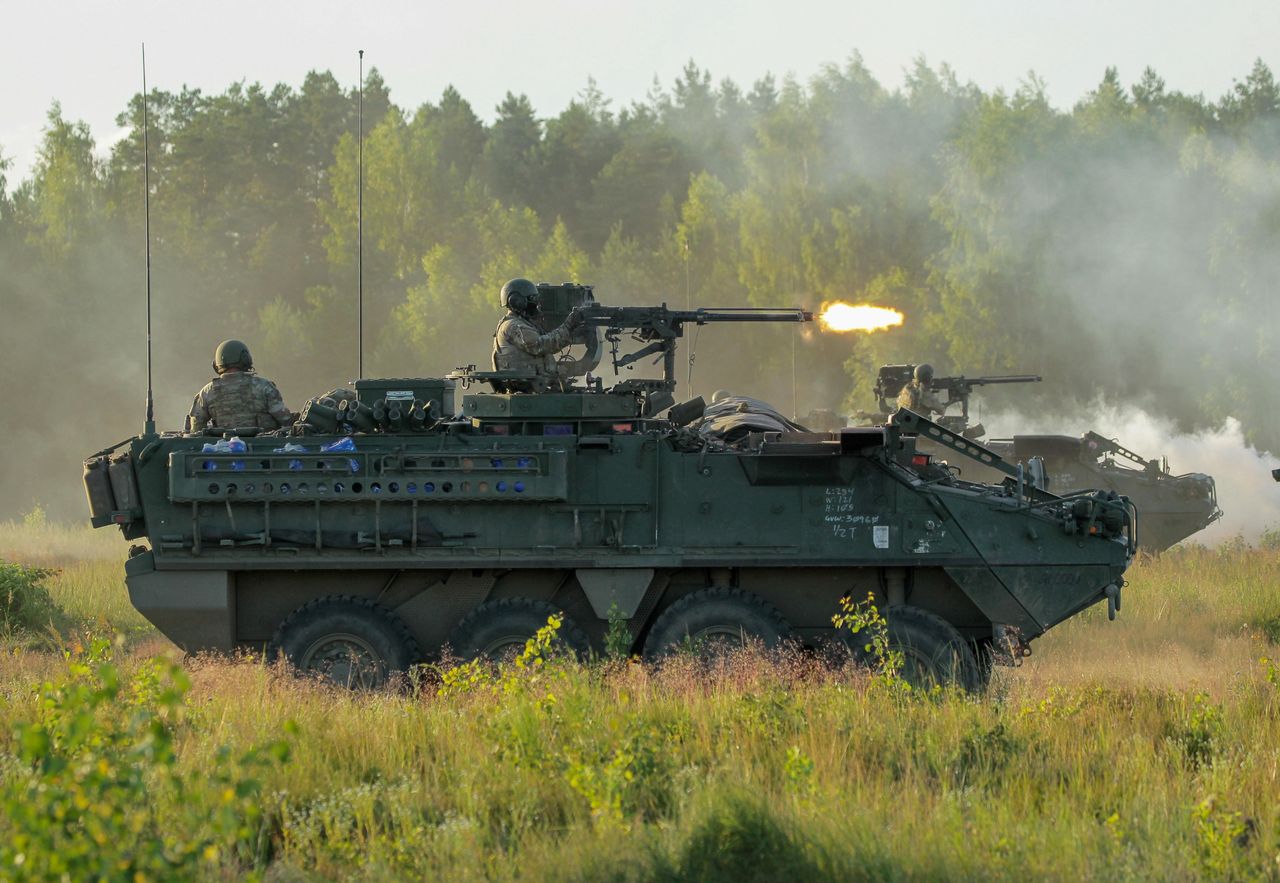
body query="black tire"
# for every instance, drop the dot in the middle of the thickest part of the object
(985, 654)
(721, 615)
(933, 651)
(498, 629)
(354, 642)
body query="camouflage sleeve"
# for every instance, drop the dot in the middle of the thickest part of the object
(933, 402)
(922, 401)
(198, 418)
(527, 338)
(275, 404)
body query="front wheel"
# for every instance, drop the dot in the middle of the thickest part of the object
(352, 642)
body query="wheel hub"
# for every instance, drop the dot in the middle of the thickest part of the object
(346, 659)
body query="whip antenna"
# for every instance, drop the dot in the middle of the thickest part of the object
(688, 305)
(360, 227)
(149, 427)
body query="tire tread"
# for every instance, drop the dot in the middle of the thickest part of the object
(318, 605)
(714, 594)
(570, 632)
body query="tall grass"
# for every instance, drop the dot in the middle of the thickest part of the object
(758, 769)
(85, 577)
(1147, 748)
(1192, 618)
(36, 541)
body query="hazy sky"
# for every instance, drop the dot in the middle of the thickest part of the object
(86, 54)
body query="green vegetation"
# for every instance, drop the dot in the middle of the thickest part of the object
(1077, 243)
(25, 604)
(93, 790)
(1140, 749)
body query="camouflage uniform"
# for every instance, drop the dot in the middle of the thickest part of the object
(518, 345)
(917, 397)
(237, 400)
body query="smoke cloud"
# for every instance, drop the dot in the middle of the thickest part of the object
(1247, 495)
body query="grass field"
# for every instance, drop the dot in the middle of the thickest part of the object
(1147, 748)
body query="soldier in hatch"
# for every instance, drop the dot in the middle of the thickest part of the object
(916, 395)
(519, 345)
(237, 398)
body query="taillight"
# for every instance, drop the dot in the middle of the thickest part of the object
(921, 459)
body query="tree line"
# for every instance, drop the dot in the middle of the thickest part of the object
(1125, 248)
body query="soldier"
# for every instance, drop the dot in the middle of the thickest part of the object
(518, 344)
(237, 398)
(916, 395)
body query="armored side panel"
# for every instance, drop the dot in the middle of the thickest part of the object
(549, 407)
(194, 608)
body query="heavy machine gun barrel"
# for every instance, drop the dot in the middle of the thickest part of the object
(963, 384)
(661, 317)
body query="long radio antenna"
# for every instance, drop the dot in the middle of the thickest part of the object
(360, 227)
(149, 427)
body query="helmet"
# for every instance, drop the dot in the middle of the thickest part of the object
(720, 395)
(520, 296)
(924, 373)
(232, 354)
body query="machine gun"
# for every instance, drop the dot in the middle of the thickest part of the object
(659, 327)
(892, 378)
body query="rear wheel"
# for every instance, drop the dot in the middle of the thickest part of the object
(353, 642)
(721, 617)
(933, 652)
(498, 630)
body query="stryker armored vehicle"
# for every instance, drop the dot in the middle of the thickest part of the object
(394, 523)
(1173, 506)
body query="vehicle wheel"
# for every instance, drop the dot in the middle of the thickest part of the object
(933, 651)
(497, 630)
(723, 616)
(351, 641)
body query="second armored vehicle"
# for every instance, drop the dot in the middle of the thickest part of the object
(1173, 507)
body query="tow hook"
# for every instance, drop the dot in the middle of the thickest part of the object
(1113, 601)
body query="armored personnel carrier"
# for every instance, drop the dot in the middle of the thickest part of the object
(1173, 506)
(396, 520)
